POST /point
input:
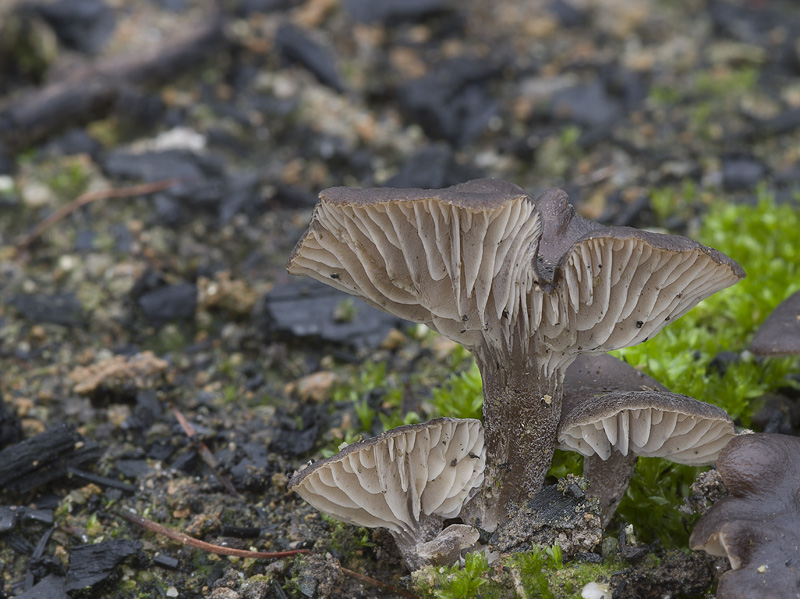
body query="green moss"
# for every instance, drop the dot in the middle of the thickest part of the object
(537, 574)
(461, 396)
(455, 582)
(69, 181)
(762, 238)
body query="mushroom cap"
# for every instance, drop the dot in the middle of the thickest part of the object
(397, 479)
(486, 266)
(645, 423)
(594, 374)
(779, 334)
(757, 526)
(613, 287)
(455, 259)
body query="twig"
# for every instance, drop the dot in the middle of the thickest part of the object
(205, 452)
(198, 544)
(88, 198)
(218, 549)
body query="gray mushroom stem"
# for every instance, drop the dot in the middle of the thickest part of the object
(521, 411)
(608, 480)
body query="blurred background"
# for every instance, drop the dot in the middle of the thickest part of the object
(160, 158)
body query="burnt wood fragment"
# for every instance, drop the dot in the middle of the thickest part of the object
(41, 459)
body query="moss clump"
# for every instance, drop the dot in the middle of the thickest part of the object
(539, 574)
(762, 238)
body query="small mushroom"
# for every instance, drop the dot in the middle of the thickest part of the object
(779, 334)
(612, 428)
(525, 285)
(757, 526)
(408, 480)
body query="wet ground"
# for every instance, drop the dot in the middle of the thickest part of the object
(216, 126)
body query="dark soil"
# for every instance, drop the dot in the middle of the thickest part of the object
(178, 297)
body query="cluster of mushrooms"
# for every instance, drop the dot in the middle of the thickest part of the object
(527, 286)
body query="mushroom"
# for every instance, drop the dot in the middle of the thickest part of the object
(612, 428)
(408, 480)
(757, 526)
(525, 285)
(779, 334)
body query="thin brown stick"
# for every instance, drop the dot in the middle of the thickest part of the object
(218, 549)
(198, 544)
(88, 198)
(205, 452)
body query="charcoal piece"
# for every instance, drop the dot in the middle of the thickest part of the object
(185, 461)
(248, 7)
(83, 25)
(74, 141)
(166, 561)
(293, 197)
(391, 12)
(309, 309)
(452, 102)
(92, 564)
(433, 167)
(298, 47)
(43, 458)
(741, 172)
(567, 14)
(241, 193)
(588, 105)
(172, 302)
(253, 470)
(8, 518)
(59, 308)
(550, 513)
(159, 165)
(49, 587)
(102, 481)
(10, 515)
(147, 411)
(161, 450)
(132, 469)
(241, 532)
(91, 92)
(294, 442)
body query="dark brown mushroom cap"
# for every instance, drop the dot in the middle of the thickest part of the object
(758, 525)
(594, 374)
(779, 334)
(645, 423)
(612, 287)
(395, 480)
(456, 259)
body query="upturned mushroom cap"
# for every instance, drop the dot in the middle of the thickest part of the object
(456, 259)
(758, 525)
(401, 478)
(594, 375)
(779, 334)
(613, 287)
(645, 423)
(486, 266)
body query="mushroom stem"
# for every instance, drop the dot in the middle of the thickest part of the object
(608, 480)
(521, 411)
